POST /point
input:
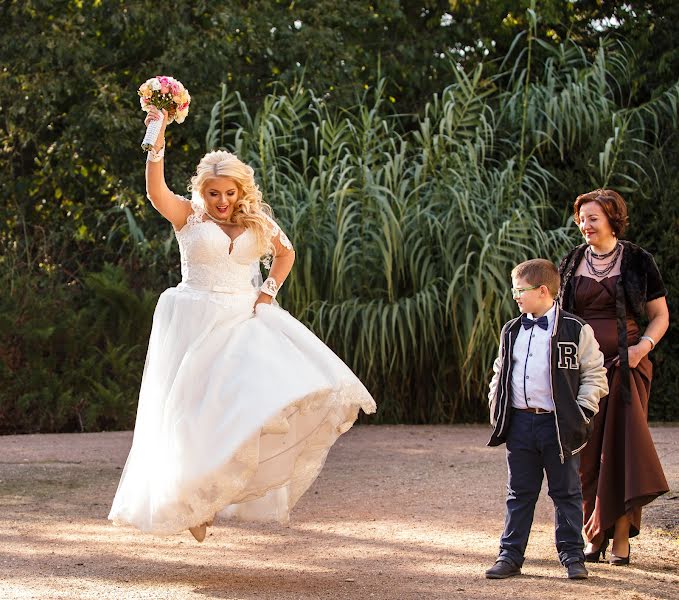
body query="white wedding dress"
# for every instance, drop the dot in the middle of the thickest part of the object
(237, 410)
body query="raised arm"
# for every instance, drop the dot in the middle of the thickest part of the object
(284, 258)
(166, 202)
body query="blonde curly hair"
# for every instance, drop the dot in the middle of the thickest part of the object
(250, 211)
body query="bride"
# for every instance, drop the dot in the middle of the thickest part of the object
(239, 402)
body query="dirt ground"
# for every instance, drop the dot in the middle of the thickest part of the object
(398, 513)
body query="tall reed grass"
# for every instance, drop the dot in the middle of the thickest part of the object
(407, 226)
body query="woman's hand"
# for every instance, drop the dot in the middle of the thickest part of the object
(263, 299)
(153, 115)
(658, 322)
(636, 353)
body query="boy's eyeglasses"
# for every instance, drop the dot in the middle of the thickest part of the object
(518, 292)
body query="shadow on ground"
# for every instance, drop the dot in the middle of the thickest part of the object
(398, 513)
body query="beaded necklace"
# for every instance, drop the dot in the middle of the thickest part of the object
(608, 267)
(603, 256)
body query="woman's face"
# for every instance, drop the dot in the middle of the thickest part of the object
(220, 195)
(594, 225)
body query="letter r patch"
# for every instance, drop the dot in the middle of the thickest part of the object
(568, 355)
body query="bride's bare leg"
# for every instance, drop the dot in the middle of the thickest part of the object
(199, 532)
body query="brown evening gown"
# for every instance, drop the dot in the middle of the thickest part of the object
(619, 468)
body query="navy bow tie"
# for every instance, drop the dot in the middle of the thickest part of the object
(527, 322)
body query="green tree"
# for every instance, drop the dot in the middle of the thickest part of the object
(576, 95)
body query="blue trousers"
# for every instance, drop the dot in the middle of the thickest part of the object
(533, 447)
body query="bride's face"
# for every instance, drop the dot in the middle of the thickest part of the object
(220, 195)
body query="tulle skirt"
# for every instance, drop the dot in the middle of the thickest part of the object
(237, 412)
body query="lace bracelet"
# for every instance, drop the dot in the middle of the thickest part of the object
(269, 287)
(156, 156)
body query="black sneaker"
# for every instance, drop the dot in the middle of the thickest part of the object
(577, 570)
(502, 569)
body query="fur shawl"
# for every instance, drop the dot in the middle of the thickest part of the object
(639, 283)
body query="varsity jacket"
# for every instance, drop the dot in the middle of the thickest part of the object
(639, 283)
(577, 376)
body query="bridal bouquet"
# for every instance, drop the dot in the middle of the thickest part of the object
(167, 93)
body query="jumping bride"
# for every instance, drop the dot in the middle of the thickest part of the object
(239, 402)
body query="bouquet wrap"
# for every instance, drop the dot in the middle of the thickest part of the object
(151, 135)
(163, 92)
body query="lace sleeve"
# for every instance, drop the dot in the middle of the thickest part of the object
(197, 215)
(277, 232)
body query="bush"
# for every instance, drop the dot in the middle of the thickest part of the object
(655, 227)
(406, 225)
(71, 356)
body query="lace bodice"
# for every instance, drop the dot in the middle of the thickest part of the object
(211, 260)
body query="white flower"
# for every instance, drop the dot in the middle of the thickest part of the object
(155, 84)
(298, 24)
(447, 20)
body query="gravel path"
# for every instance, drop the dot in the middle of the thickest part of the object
(398, 512)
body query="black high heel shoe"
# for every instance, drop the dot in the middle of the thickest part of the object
(597, 554)
(620, 561)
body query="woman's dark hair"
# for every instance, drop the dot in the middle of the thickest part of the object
(611, 203)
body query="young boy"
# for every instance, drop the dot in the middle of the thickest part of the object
(548, 379)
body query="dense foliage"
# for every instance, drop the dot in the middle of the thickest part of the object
(410, 176)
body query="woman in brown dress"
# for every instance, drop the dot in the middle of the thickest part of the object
(614, 285)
